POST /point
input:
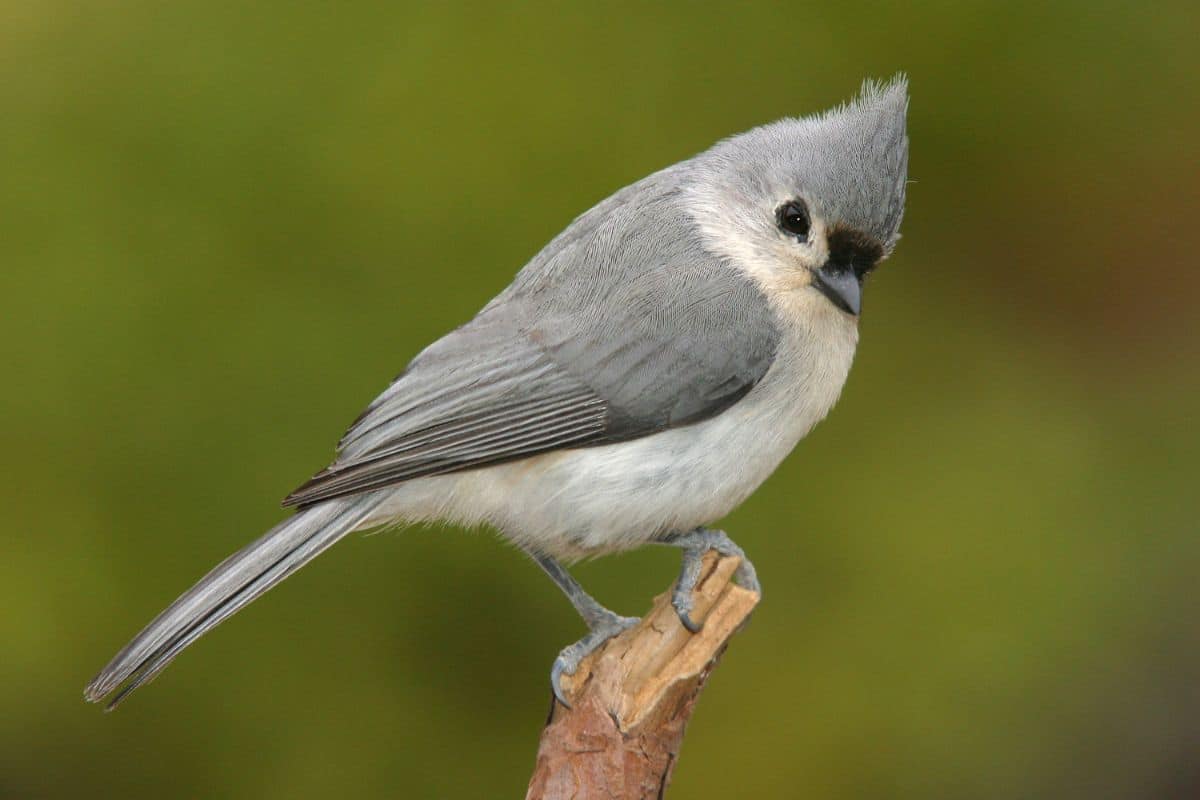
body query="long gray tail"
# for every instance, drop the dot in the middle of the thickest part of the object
(229, 587)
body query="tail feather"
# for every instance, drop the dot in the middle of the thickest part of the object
(229, 587)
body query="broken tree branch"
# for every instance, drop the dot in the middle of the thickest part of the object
(632, 698)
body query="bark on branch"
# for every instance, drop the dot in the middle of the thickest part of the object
(632, 698)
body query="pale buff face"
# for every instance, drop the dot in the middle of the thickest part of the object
(747, 233)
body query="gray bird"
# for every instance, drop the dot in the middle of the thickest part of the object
(640, 377)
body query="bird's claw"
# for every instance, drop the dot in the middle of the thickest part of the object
(695, 544)
(569, 659)
(685, 618)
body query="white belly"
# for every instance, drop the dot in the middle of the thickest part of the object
(575, 503)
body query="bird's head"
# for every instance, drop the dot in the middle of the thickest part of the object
(809, 204)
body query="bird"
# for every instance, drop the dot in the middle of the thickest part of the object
(640, 377)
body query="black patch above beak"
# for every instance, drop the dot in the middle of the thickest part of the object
(841, 286)
(851, 256)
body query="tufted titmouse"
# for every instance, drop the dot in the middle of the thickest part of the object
(642, 375)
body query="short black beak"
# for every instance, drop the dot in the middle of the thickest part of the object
(841, 286)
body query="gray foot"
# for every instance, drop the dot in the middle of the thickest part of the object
(695, 544)
(603, 628)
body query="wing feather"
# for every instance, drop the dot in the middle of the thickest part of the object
(517, 404)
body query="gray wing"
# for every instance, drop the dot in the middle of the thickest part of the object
(622, 327)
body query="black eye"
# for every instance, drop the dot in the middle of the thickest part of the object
(793, 218)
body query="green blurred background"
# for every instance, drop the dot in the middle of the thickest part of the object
(225, 226)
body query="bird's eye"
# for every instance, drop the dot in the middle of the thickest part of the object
(793, 218)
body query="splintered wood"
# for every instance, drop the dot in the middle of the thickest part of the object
(632, 698)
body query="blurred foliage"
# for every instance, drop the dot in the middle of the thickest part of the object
(224, 227)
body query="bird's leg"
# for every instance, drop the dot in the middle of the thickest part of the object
(694, 545)
(602, 624)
